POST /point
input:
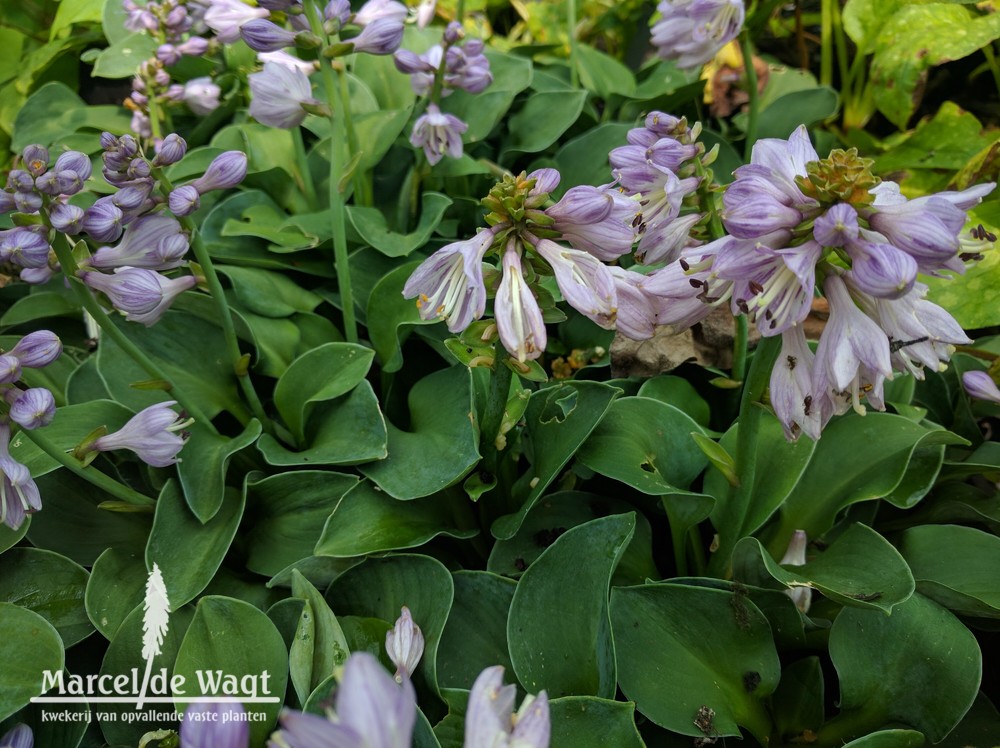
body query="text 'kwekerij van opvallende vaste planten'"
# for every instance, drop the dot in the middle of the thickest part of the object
(471, 373)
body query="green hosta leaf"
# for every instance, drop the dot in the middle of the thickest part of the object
(889, 739)
(542, 120)
(798, 699)
(569, 655)
(645, 444)
(441, 423)
(371, 226)
(603, 74)
(576, 720)
(797, 108)
(916, 38)
(367, 520)
(189, 566)
(379, 73)
(946, 141)
(860, 568)
(50, 585)
(379, 587)
(388, 311)
(377, 131)
(50, 113)
(920, 667)
(956, 566)
(288, 512)
(559, 419)
(341, 365)
(679, 393)
(235, 639)
(203, 466)
(319, 645)
(475, 636)
(122, 58)
(9, 538)
(117, 584)
(511, 75)
(267, 293)
(672, 671)
(39, 306)
(29, 645)
(584, 159)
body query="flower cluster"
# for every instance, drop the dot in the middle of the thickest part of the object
(436, 74)
(36, 189)
(799, 224)
(29, 408)
(691, 32)
(150, 242)
(598, 224)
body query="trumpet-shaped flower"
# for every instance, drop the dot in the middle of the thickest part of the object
(155, 434)
(404, 643)
(278, 95)
(18, 737)
(691, 32)
(490, 720)
(585, 282)
(154, 241)
(449, 284)
(980, 385)
(438, 134)
(518, 316)
(18, 493)
(142, 295)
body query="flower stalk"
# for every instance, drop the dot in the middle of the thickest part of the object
(746, 48)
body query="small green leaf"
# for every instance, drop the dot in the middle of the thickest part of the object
(577, 720)
(319, 645)
(204, 463)
(122, 58)
(116, 586)
(372, 227)
(542, 120)
(388, 312)
(50, 585)
(29, 645)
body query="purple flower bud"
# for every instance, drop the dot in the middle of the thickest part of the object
(133, 197)
(20, 180)
(226, 170)
(65, 218)
(838, 227)
(37, 349)
(27, 202)
(438, 133)
(35, 159)
(76, 162)
(6, 202)
(59, 183)
(380, 37)
(595, 220)
(33, 408)
(140, 294)
(19, 737)
(171, 150)
(425, 13)
(168, 54)
(278, 95)
(138, 168)
(184, 201)
(103, 220)
(174, 93)
(404, 644)
(881, 270)
(375, 10)
(489, 719)
(410, 62)
(202, 96)
(262, 35)
(169, 252)
(162, 78)
(195, 46)
(453, 32)
(109, 142)
(150, 433)
(25, 249)
(337, 10)
(225, 17)
(141, 125)
(36, 276)
(980, 385)
(128, 146)
(176, 17)
(10, 368)
(152, 241)
(796, 556)
(214, 725)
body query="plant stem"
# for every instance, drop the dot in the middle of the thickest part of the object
(754, 105)
(107, 325)
(496, 405)
(308, 187)
(826, 43)
(739, 368)
(239, 361)
(991, 60)
(841, 42)
(677, 538)
(574, 70)
(89, 474)
(362, 184)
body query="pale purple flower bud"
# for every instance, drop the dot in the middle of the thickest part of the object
(141, 124)
(926, 228)
(194, 46)
(981, 386)
(546, 180)
(226, 170)
(20, 736)
(59, 183)
(6, 202)
(138, 168)
(174, 93)
(103, 220)
(796, 556)
(10, 368)
(36, 276)
(162, 78)
(585, 282)
(76, 162)
(132, 197)
(65, 218)
(151, 434)
(289, 61)
(37, 349)
(35, 159)
(168, 54)
(467, 68)
(881, 269)
(128, 146)
(140, 294)
(176, 18)
(449, 284)
(425, 13)
(215, 725)
(410, 62)
(278, 95)
(225, 17)
(791, 390)
(404, 643)
(337, 10)
(262, 35)
(596, 220)
(184, 201)
(490, 718)
(380, 37)
(438, 133)
(33, 408)
(838, 227)
(171, 150)
(202, 96)
(453, 31)
(27, 202)
(20, 180)
(375, 10)
(518, 316)
(25, 249)
(153, 241)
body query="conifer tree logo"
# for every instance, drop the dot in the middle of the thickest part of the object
(155, 610)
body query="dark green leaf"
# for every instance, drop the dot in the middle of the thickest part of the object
(50, 585)
(29, 645)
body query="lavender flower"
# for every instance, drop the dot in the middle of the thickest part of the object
(202, 96)
(691, 32)
(584, 281)
(380, 37)
(980, 385)
(278, 96)
(596, 220)
(793, 397)
(404, 643)
(449, 284)
(518, 316)
(32, 408)
(372, 710)
(637, 310)
(155, 242)
(18, 497)
(375, 10)
(438, 133)
(262, 35)
(151, 433)
(307, 67)
(19, 736)
(171, 150)
(35, 159)
(103, 220)
(490, 719)
(10, 369)
(140, 294)
(215, 726)
(226, 17)
(226, 170)
(37, 349)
